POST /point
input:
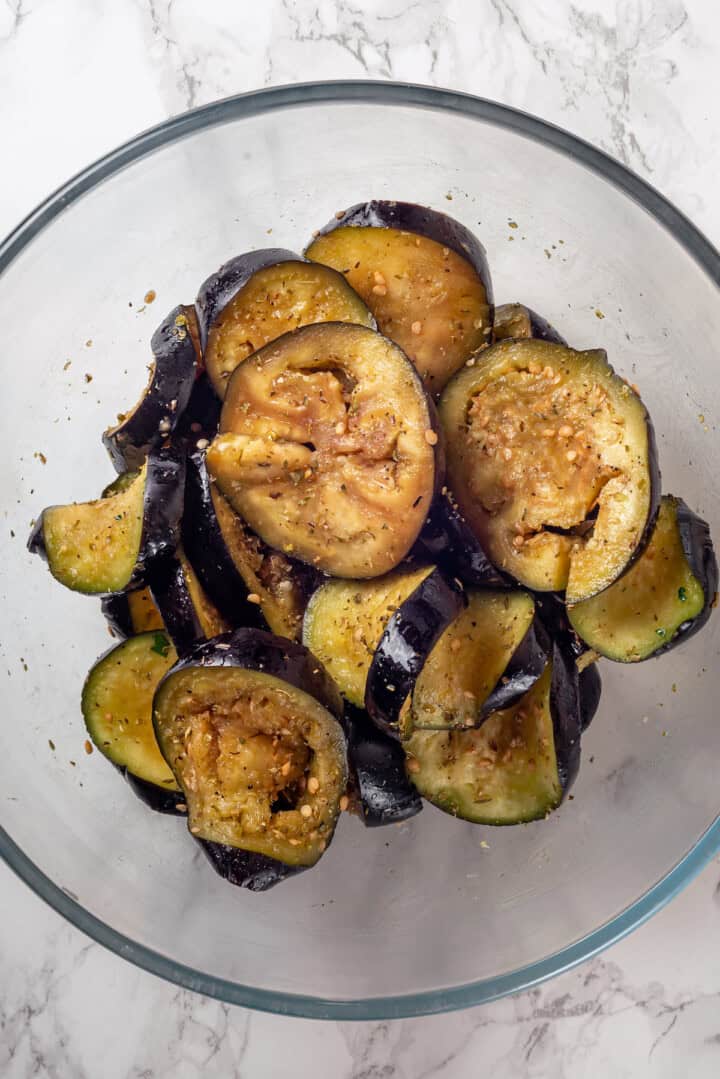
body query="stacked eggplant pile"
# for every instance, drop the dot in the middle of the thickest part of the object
(368, 539)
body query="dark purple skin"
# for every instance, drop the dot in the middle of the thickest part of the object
(218, 290)
(542, 329)
(255, 650)
(201, 417)
(537, 326)
(116, 610)
(408, 216)
(698, 547)
(172, 598)
(527, 663)
(377, 765)
(162, 509)
(163, 403)
(409, 637)
(590, 693)
(448, 540)
(567, 715)
(157, 798)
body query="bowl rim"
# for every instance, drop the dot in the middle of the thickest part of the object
(698, 247)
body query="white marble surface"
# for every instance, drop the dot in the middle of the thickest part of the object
(641, 80)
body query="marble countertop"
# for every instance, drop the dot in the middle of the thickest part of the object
(639, 79)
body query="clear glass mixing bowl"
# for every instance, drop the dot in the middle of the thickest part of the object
(410, 919)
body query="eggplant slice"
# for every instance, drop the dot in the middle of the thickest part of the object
(187, 613)
(382, 789)
(233, 564)
(249, 725)
(423, 275)
(517, 321)
(665, 597)
(176, 363)
(448, 541)
(590, 688)
(487, 658)
(345, 621)
(258, 296)
(551, 457)
(129, 613)
(517, 767)
(328, 447)
(117, 707)
(108, 545)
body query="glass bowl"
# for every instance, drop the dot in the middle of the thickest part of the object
(434, 914)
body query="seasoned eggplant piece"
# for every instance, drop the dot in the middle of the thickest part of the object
(233, 563)
(120, 483)
(423, 275)
(486, 659)
(345, 621)
(249, 725)
(408, 639)
(328, 449)
(258, 296)
(129, 613)
(107, 546)
(551, 457)
(117, 707)
(176, 361)
(590, 688)
(666, 597)
(377, 765)
(449, 541)
(516, 767)
(200, 420)
(187, 613)
(518, 321)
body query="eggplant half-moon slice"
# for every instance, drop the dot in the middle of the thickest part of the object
(345, 622)
(381, 787)
(117, 707)
(249, 724)
(258, 296)
(486, 659)
(663, 599)
(328, 449)
(233, 564)
(516, 767)
(108, 545)
(551, 457)
(174, 368)
(423, 275)
(518, 321)
(187, 612)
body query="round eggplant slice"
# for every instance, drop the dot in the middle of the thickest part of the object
(486, 659)
(377, 765)
(328, 449)
(511, 770)
(129, 613)
(551, 457)
(665, 597)
(233, 564)
(423, 275)
(108, 545)
(449, 541)
(345, 620)
(249, 725)
(257, 297)
(176, 362)
(117, 707)
(185, 609)
(408, 639)
(515, 320)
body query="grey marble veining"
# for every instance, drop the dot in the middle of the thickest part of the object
(641, 80)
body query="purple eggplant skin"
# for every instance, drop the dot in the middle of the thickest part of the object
(172, 598)
(408, 216)
(553, 613)
(566, 711)
(698, 548)
(448, 541)
(377, 766)
(246, 869)
(155, 417)
(526, 665)
(590, 685)
(162, 801)
(218, 290)
(543, 330)
(507, 316)
(117, 615)
(205, 548)
(409, 637)
(201, 418)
